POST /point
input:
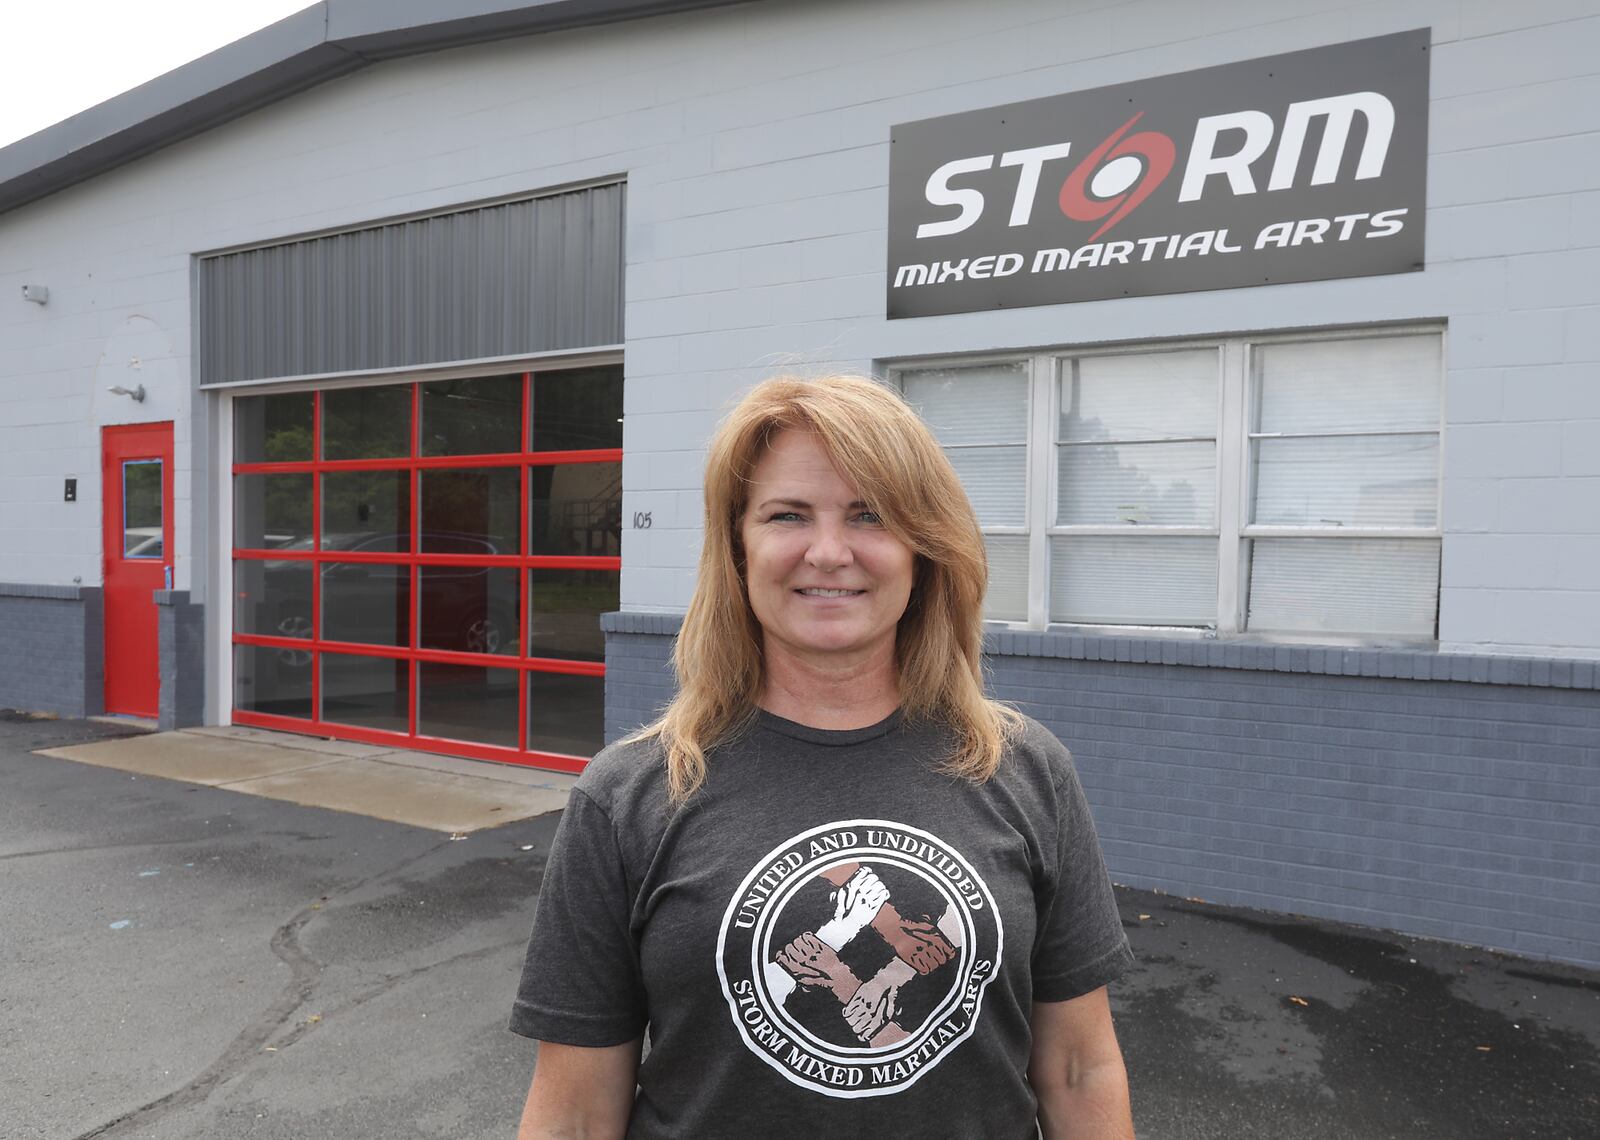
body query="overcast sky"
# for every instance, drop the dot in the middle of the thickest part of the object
(60, 57)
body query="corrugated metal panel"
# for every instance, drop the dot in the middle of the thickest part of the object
(523, 277)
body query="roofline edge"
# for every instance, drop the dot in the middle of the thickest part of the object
(274, 63)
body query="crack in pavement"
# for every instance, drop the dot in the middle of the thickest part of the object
(104, 847)
(390, 981)
(304, 971)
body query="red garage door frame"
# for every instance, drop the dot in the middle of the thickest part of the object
(526, 752)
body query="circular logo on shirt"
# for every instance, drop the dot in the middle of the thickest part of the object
(854, 956)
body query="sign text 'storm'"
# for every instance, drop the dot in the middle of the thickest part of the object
(1209, 159)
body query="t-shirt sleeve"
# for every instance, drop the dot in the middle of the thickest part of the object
(1080, 945)
(580, 981)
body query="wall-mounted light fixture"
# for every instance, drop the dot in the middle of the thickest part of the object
(38, 294)
(136, 393)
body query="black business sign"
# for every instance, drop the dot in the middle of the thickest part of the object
(1296, 167)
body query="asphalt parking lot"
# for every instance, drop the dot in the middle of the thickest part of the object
(186, 962)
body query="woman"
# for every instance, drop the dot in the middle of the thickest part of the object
(846, 893)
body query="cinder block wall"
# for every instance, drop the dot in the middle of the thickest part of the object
(51, 649)
(1449, 809)
(638, 669)
(181, 638)
(1364, 786)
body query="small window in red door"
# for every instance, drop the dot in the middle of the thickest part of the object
(141, 509)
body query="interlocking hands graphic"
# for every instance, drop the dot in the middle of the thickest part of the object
(814, 963)
(861, 900)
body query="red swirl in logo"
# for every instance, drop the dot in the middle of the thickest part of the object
(1113, 181)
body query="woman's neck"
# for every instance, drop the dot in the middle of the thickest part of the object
(829, 693)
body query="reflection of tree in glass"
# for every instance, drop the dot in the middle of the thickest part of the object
(289, 444)
(288, 508)
(367, 423)
(141, 495)
(273, 429)
(271, 510)
(374, 501)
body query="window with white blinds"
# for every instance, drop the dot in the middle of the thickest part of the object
(1344, 444)
(1283, 485)
(980, 415)
(1135, 483)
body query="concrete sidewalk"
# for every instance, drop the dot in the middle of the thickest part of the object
(185, 962)
(442, 793)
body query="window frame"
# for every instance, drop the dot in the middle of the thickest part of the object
(1238, 398)
(525, 664)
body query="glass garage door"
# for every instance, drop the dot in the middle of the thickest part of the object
(426, 564)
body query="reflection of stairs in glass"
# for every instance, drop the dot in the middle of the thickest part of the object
(593, 525)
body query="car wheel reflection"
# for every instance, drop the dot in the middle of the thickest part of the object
(487, 634)
(297, 623)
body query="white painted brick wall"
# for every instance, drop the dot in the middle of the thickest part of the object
(755, 143)
(1582, 342)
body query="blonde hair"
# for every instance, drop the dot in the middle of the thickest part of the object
(881, 446)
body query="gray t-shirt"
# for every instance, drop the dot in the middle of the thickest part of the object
(829, 939)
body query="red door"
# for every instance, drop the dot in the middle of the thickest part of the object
(136, 483)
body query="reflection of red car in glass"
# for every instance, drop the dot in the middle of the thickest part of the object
(364, 601)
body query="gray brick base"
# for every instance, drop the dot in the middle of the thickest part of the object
(638, 679)
(1314, 781)
(181, 630)
(52, 652)
(52, 656)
